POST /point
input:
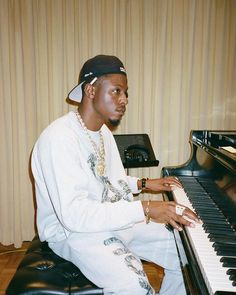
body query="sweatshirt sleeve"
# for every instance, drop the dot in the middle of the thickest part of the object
(133, 184)
(61, 191)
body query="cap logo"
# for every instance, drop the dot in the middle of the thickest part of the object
(122, 69)
(89, 74)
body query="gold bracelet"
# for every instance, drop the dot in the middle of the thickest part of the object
(147, 210)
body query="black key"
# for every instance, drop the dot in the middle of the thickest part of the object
(214, 235)
(226, 252)
(218, 227)
(224, 245)
(231, 271)
(219, 231)
(233, 278)
(223, 239)
(228, 261)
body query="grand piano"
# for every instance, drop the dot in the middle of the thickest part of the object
(207, 252)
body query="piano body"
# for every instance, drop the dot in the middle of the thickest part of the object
(208, 252)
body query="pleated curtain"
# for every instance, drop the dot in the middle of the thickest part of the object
(180, 57)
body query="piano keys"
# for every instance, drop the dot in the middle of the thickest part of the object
(208, 252)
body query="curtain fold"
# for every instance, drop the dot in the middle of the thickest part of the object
(180, 57)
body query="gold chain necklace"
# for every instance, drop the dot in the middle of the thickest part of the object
(100, 152)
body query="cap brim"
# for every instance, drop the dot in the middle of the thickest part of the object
(76, 93)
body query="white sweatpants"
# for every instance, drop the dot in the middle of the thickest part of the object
(112, 260)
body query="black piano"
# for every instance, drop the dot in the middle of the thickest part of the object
(208, 252)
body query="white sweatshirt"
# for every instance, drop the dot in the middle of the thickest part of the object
(70, 196)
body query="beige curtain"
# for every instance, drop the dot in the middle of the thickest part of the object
(181, 61)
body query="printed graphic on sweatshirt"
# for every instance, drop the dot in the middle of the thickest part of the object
(145, 285)
(122, 248)
(117, 194)
(136, 266)
(132, 262)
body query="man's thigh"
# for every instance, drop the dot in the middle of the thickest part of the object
(106, 260)
(152, 242)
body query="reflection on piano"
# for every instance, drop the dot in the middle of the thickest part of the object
(208, 252)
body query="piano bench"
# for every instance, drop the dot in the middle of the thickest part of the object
(41, 271)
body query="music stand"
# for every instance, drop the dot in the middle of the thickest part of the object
(135, 150)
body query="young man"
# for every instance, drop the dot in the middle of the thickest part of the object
(85, 206)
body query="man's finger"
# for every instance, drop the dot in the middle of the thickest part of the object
(175, 225)
(191, 215)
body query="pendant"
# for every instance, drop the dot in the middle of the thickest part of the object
(100, 169)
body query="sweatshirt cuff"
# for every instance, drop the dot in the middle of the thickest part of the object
(133, 184)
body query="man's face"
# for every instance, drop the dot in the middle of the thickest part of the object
(111, 98)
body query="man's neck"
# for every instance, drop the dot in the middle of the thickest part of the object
(90, 119)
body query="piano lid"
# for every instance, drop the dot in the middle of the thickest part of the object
(220, 144)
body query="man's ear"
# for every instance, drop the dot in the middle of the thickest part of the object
(89, 90)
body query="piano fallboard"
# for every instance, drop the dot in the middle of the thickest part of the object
(208, 252)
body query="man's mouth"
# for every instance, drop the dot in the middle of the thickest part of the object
(121, 111)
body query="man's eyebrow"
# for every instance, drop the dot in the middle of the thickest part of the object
(121, 86)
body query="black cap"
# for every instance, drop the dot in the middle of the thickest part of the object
(93, 68)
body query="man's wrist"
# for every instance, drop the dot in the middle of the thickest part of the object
(142, 183)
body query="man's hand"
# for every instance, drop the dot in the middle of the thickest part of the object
(165, 212)
(163, 184)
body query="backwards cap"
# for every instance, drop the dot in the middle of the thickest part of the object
(93, 68)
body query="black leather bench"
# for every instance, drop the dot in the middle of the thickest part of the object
(43, 272)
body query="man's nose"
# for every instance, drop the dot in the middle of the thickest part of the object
(124, 98)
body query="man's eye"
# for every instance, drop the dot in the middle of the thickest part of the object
(116, 91)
